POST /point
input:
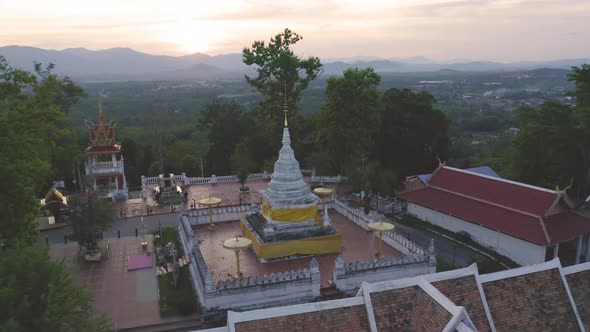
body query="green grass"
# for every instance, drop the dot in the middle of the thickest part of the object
(181, 300)
(484, 264)
(444, 265)
(170, 234)
(177, 301)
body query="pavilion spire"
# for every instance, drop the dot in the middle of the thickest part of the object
(100, 113)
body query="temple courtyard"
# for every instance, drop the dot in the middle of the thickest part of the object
(228, 192)
(358, 245)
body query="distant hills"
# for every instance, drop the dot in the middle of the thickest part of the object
(127, 64)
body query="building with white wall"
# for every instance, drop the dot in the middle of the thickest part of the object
(525, 223)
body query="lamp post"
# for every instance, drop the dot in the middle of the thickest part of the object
(210, 202)
(380, 227)
(144, 243)
(237, 244)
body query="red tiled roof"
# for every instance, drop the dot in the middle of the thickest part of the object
(412, 310)
(353, 318)
(494, 217)
(566, 226)
(579, 284)
(521, 197)
(464, 292)
(536, 301)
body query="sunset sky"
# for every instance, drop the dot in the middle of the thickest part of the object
(499, 30)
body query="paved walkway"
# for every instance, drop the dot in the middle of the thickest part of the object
(358, 244)
(129, 298)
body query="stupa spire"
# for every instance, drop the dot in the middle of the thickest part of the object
(285, 109)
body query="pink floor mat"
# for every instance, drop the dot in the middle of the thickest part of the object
(137, 262)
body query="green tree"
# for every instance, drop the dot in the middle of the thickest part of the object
(32, 114)
(281, 77)
(374, 177)
(544, 152)
(227, 124)
(581, 78)
(411, 132)
(242, 162)
(38, 294)
(280, 71)
(91, 216)
(349, 119)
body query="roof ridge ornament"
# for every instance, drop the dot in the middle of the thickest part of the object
(563, 192)
(440, 163)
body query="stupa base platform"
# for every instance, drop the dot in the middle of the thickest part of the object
(267, 251)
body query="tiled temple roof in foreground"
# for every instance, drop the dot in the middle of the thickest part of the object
(543, 297)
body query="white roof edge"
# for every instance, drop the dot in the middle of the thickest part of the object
(576, 268)
(293, 309)
(413, 281)
(484, 301)
(570, 297)
(439, 297)
(552, 264)
(503, 180)
(470, 270)
(214, 329)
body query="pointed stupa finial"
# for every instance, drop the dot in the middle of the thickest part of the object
(100, 113)
(285, 109)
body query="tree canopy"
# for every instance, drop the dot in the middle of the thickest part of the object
(551, 148)
(33, 141)
(411, 132)
(89, 218)
(281, 78)
(38, 294)
(349, 119)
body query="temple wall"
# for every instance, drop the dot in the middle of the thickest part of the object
(220, 214)
(290, 287)
(348, 277)
(522, 252)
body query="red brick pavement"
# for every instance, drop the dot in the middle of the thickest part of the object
(129, 298)
(358, 245)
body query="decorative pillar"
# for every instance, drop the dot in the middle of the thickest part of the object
(114, 157)
(314, 270)
(339, 271)
(144, 192)
(587, 248)
(556, 250)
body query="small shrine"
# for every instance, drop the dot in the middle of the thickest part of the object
(104, 165)
(289, 224)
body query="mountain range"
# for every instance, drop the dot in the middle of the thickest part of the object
(127, 64)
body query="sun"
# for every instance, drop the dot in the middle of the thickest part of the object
(191, 37)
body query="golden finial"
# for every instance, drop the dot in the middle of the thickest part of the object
(100, 114)
(285, 109)
(564, 191)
